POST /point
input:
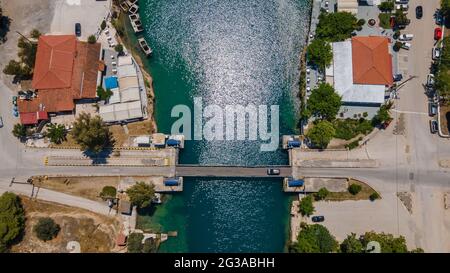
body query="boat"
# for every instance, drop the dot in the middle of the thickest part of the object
(144, 46)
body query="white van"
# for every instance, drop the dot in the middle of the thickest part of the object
(406, 37)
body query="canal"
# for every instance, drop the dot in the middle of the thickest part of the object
(226, 52)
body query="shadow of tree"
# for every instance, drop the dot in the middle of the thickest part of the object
(5, 22)
(447, 116)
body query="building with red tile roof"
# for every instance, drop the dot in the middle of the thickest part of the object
(65, 70)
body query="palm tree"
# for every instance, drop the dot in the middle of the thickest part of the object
(56, 133)
(19, 130)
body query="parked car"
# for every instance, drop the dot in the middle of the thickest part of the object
(317, 219)
(419, 12)
(436, 53)
(406, 46)
(437, 33)
(433, 126)
(14, 100)
(430, 80)
(78, 29)
(432, 109)
(15, 113)
(1, 122)
(398, 77)
(439, 18)
(406, 37)
(273, 171)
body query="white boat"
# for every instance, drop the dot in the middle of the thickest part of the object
(144, 46)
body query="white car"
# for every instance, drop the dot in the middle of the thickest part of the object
(430, 80)
(406, 46)
(436, 53)
(406, 37)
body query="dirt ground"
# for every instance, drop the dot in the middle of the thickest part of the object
(94, 233)
(86, 187)
(364, 194)
(445, 119)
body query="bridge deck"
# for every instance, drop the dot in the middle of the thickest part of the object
(230, 171)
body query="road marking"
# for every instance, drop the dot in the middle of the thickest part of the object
(409, 112)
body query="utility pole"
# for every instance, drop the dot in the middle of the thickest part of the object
(24, 37)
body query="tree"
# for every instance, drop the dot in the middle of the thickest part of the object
(401, 19)
(35, 34)
(336, 26)
(119, 49)
(324, 102)
(321, 194)
(321, 134)
(90, 133)
(382, 116)
(149, 246)
(306, 206)
(388, 243)
(12, 219)
(46, 229)
(352, 245)
(103, 94)
(108, 192)
(103, 25)
(134, 242)
(374, 196)
(354, 189)
(141, 194)
(314, 239)
(56, 133)
(386, 6)
(92, 39)
(19, 130)
(445, 7)
(13, 68)
(319, 52)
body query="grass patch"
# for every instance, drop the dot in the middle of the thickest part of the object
(364, 194)
(351, 128)
(385, 20)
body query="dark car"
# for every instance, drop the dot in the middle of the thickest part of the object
(432, 109)
(317, 219)
(78, 29)
(419, 12)
(398, 77)
(439, 18)
(433, 126)
(273, 171)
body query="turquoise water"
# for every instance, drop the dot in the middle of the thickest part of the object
(227, 52)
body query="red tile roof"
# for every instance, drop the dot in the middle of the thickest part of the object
(372, 63)
(65, 70)
(32, 118)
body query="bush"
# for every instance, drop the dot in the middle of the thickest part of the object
(374, 196)
(397, 46)
(103, 25)
(149, 246)
(352, 145)
(321, 194)
(119, 49)
(350, 128)
(46, 229)
(306, 206)
(12, 219)
(354, 189)
(352, 245)
(134, 242)
(361, 22)
(385, 20)
(103, 94)
(108, 192)
(92, 39)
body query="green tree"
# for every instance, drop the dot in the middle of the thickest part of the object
(321, 194)
(321, 134)
(14, 68)
(388, 243)
(324, 102)
(19, 130)
(352, 245)
(336, 26)
(103, 94)
(382, 116)
(314, 239)
(134, 242)
(445, 7)
(354, 189)
(91, 133)
(141, 194)
(92, 39)
(306, 206)
(149, 246)
(108, 192)
(386, 6)
(56, 133)
(401, 19)
(46, 229)
(103, 25)
(119, 49)
(35, 34)
(319, 52)
(12, 219)
(27, 53)
(374, 196)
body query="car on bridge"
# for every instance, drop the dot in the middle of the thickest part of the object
(273, 171)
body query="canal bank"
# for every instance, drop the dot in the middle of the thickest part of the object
(226, 53)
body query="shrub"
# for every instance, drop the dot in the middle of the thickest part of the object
(365, 114)
(321, 194)
(103, 94)
(141, 194)
(92, 39)
(119, 49)
(374, 196)
(149, 246)
(354, 189)
(352, 245)
(108, 192)
(12, 219)
(397, 46)
(352, 145)
(103, 25)
(361, 22)
(134, 242)
(314, 239)
(46, 229)
(306, 206)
